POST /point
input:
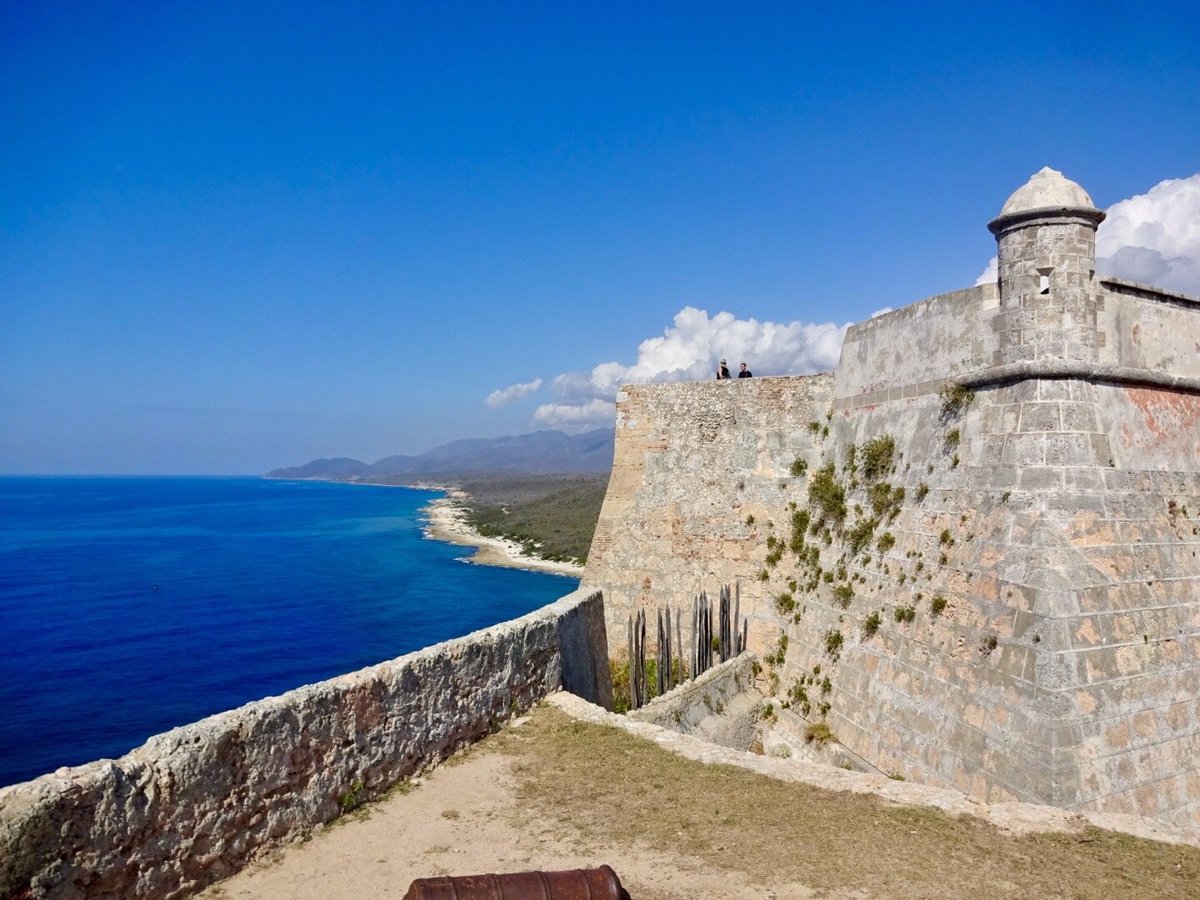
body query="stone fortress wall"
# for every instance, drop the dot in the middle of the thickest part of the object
(1007, 599)
(197, 803)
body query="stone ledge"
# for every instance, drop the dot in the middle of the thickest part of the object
(1147, 291)
(1080, 371)
(1056, 369)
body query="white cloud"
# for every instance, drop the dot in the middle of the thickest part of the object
(590, 414)
(512, 393)
(990, 272)
(1153, 238)
(689, 351)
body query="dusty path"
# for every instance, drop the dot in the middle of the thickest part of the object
(555, 793)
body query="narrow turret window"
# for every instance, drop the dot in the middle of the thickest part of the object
(1044, 280)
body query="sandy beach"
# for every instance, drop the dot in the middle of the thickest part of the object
(446, 520)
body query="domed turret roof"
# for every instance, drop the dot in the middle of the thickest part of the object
(1047, 189)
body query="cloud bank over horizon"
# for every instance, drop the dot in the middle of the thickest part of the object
(1152, 238)
(688, 350)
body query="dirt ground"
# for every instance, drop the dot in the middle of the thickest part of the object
(555, 793)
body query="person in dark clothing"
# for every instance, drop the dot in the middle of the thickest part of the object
(745, 373)
(722, 372)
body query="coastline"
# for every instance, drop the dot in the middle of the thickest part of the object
(446, 520)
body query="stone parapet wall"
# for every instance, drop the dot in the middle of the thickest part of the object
(197, 803)
(945, 336)
(722, 705)
(1151, 331)
(1133, 335)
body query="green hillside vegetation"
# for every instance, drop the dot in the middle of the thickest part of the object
(553, 518)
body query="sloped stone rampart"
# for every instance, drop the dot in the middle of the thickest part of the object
(197, 803)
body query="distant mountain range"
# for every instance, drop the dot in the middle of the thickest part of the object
(539, 453)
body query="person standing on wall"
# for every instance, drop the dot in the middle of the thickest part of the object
(722, 372)
(745, 373)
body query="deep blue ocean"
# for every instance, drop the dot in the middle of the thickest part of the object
(129, 606)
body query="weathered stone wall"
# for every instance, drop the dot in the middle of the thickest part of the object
(197, 803)
(697, 474)
(1069, 604)
(1023, 621)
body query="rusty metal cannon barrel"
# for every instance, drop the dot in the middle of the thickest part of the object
(576, 884)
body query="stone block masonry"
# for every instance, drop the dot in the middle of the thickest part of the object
(699, 471)
(197, 803)
(980, 537)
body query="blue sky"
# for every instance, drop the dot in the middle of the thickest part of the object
(236, 236)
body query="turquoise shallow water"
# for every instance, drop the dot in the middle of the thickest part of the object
(129, 606)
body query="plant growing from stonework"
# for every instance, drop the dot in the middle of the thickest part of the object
(352, 798)
(878, 457)
(871, 624)
(904, 614)
(859, 536)
(798, 696)
(886, 501)
(843, 594)
(956, 398)
(785, 603)
(828, 495)
(800, 522)
(833, 642)
(946, 539)
(799, 467)
(819, 733)
(777, 658)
